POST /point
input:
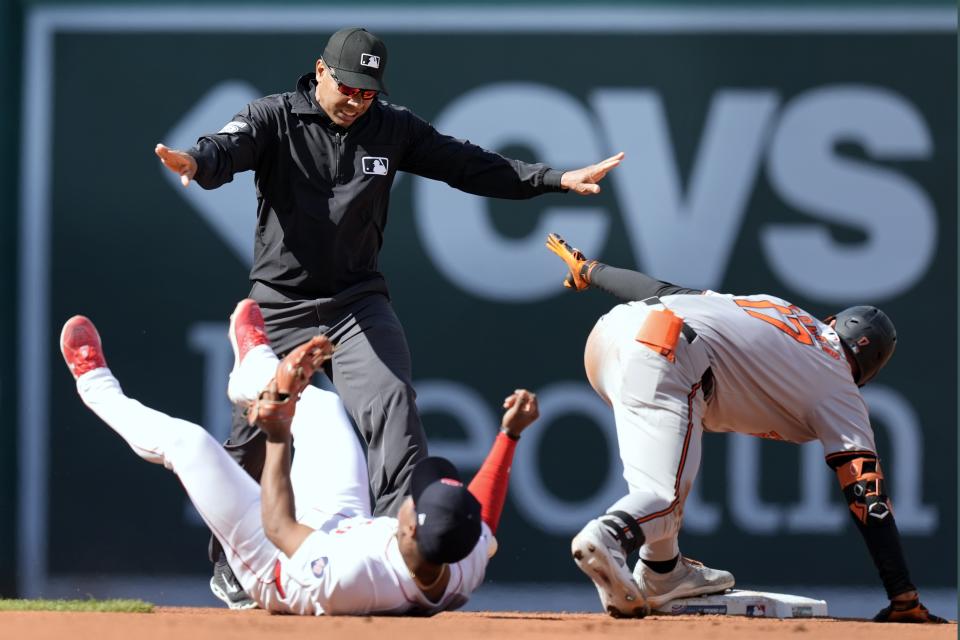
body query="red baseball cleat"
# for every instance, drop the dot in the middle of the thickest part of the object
(247, 330)
(80, 346)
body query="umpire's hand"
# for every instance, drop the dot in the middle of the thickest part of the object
(521, 410)
(584, 181)
(179, 162)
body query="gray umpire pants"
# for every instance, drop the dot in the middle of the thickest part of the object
(371, 371)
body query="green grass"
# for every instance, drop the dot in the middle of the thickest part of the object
(122, 606)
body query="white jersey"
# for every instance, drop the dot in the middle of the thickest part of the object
(354, 567)
(778, 372)
(350, 564)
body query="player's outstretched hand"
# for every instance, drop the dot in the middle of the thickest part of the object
(585, 182)
(179, 162)
(579, 276)
(521, 410)
(907, 611)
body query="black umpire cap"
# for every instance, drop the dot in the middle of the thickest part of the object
(358, 57)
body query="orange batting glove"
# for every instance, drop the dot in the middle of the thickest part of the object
(580, 267)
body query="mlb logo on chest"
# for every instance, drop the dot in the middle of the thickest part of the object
(375, 165)
(369, 60)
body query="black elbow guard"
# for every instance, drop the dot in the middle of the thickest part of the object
(863, 485)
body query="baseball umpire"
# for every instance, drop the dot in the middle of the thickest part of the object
(673, 362)
(305, 541)
(324, 158)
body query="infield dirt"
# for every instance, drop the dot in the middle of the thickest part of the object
(187, 623)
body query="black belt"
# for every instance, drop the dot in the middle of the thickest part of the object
(706, 381)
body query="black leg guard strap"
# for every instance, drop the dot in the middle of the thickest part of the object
(625, 529)
(662, 566)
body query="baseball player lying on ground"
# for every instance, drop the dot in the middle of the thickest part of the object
(673, 362)
(324, 553)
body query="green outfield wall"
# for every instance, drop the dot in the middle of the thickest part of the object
(9, 171)
(806, 151)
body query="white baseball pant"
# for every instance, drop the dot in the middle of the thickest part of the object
(658, 407)
(329, 472)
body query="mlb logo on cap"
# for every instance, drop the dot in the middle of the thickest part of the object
(358, 58)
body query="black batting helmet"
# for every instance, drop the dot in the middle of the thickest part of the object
(870, 337)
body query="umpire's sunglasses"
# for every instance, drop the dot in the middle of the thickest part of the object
(351, 92)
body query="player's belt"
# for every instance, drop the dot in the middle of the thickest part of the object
(706, 381)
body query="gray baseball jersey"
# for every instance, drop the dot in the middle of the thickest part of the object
(779, 372)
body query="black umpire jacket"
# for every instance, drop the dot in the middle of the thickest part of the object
(323, 191)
